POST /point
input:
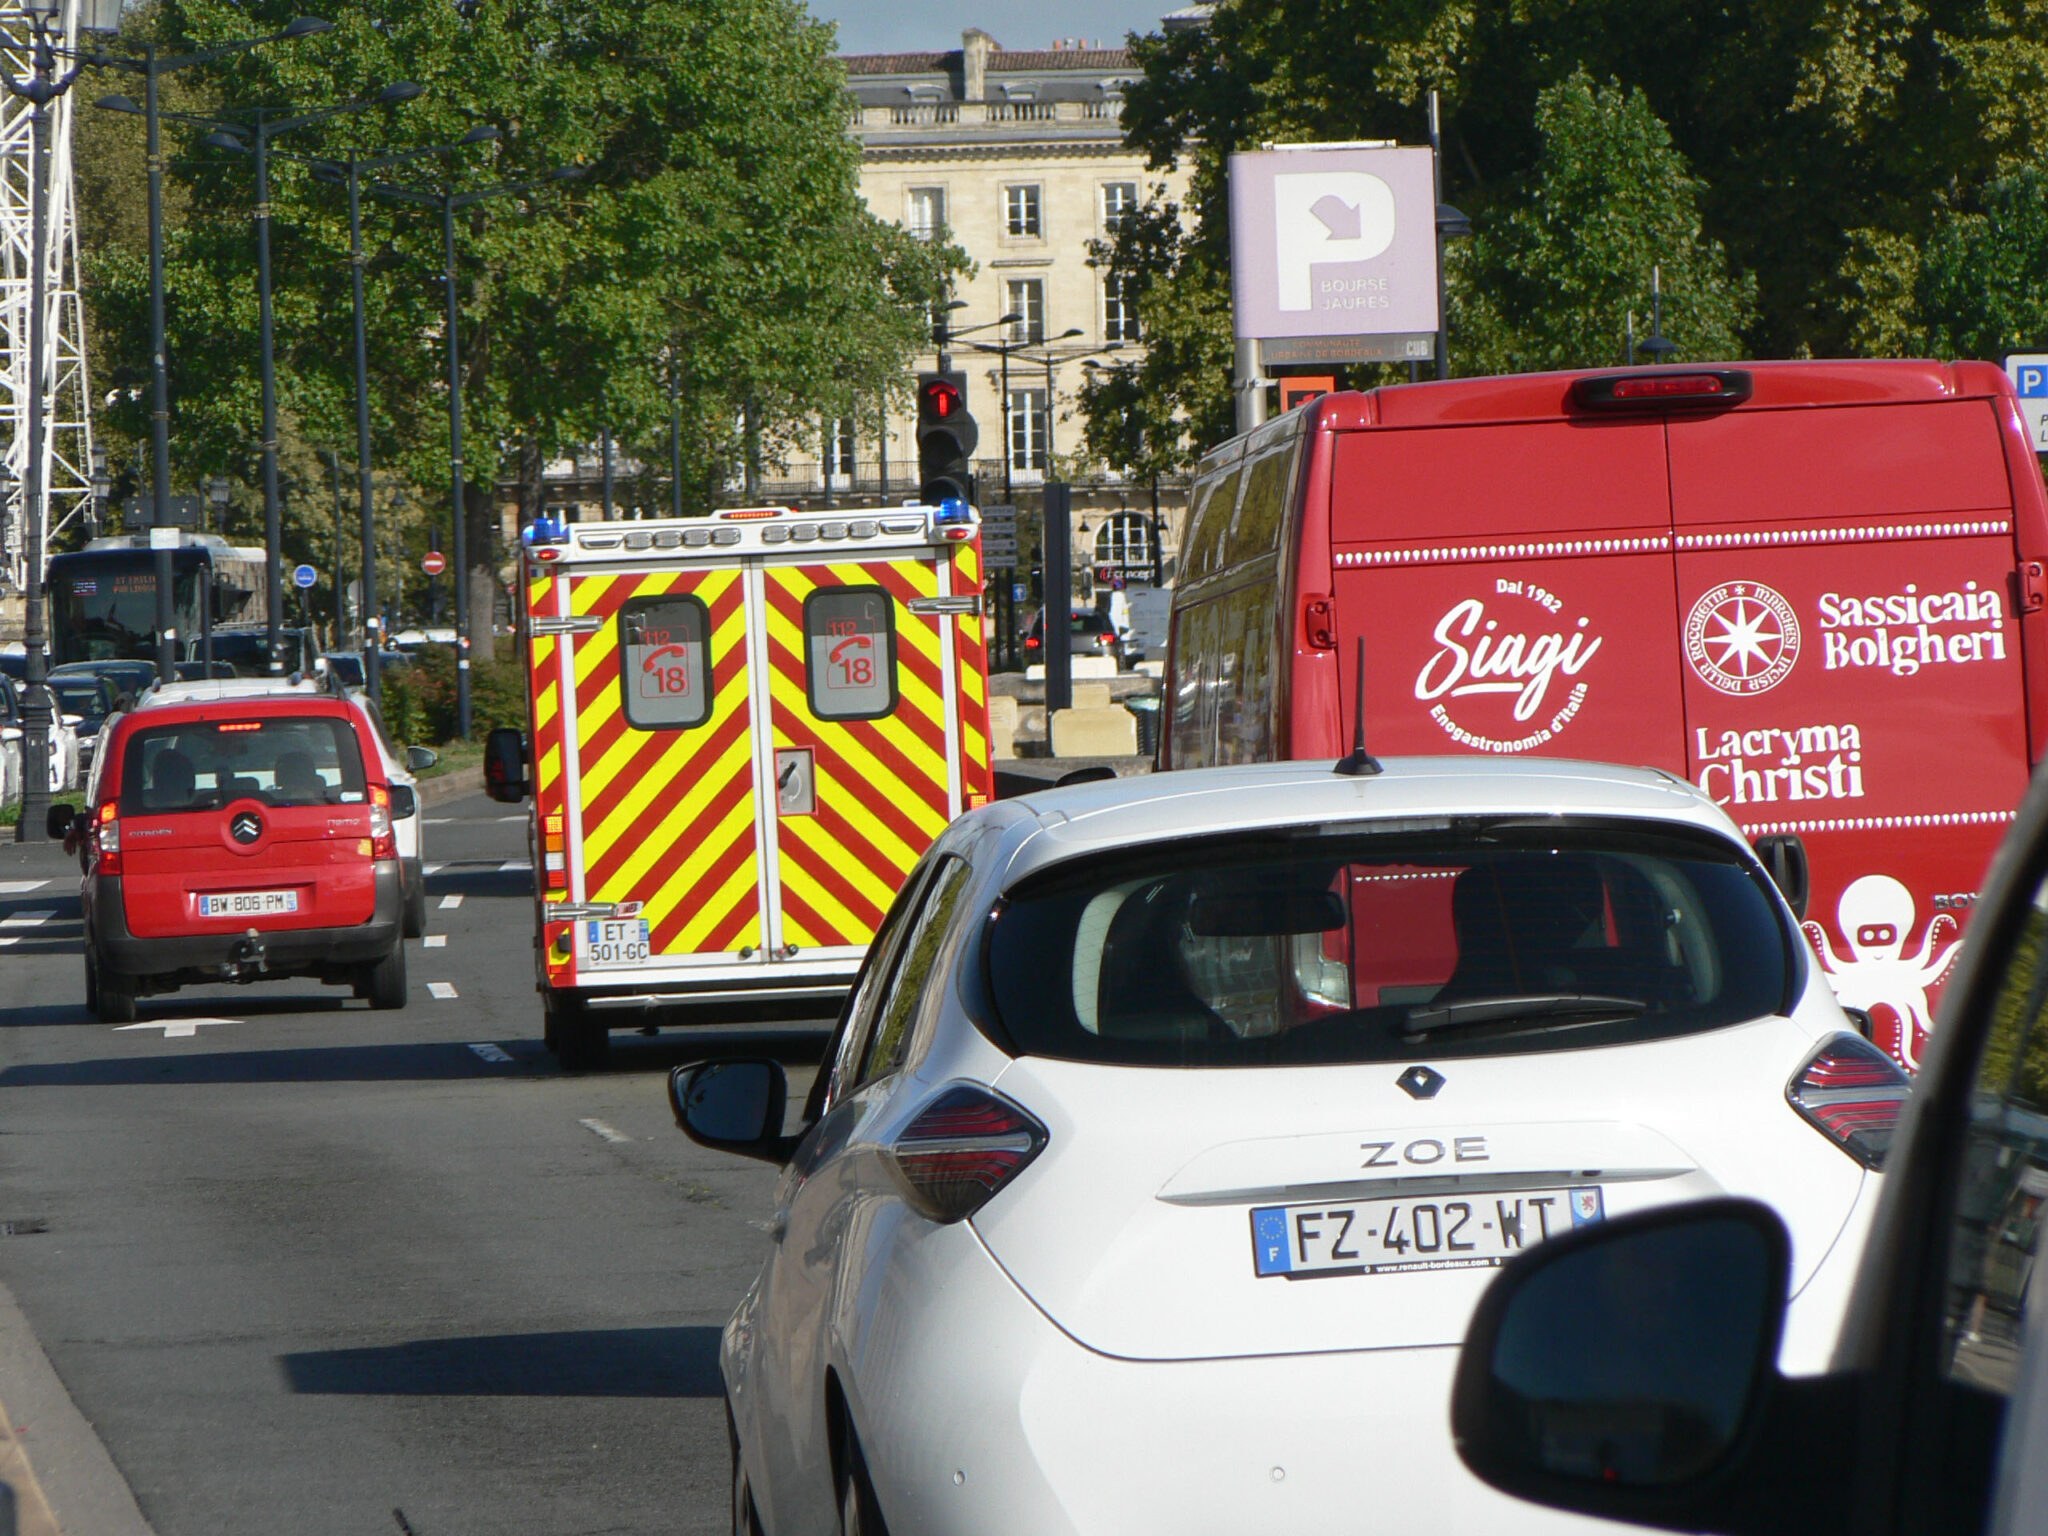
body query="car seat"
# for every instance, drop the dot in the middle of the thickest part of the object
(172, 782)
(1526, 923)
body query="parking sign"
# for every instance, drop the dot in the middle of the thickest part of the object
(2029, 374)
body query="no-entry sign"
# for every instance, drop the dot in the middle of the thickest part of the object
(432, 563)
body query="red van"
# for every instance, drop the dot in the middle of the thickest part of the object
(1814, 589)
(240, 838)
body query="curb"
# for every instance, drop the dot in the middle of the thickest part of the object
(452, 785)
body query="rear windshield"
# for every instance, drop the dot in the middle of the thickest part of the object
(86, 700)
(1469, 938)
(201, 766)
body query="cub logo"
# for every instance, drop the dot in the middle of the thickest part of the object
(1742, 638)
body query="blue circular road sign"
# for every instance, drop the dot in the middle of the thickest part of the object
(304, 576)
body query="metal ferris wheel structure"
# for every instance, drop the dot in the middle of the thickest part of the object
(65, 466)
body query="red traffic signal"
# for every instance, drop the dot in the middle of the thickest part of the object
(940, 399)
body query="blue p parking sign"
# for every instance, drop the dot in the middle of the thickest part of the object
(2029, 374)
(303, 576)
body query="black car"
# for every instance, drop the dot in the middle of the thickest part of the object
(1629, 1369)
(1092, 635)
(89, 701)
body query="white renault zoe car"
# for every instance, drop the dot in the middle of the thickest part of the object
(1175, 1125)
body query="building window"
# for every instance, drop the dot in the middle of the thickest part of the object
(1119, 201)
(1027, 303)
(839, 448)
(1027, 428)
(1125, 541)
(1021, 215)
(1119, 310)
(927, 212)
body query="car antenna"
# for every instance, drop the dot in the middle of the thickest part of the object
(1361, 763)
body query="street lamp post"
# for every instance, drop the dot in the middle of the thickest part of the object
(42, 87)
(447, 200)
(153, 67)
(255, 137)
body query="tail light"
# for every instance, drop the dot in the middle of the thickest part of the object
(1852, 1093)
(1031, 642)
(383, 839)
(108, 837)
(961, 1149)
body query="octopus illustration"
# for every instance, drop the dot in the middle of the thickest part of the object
(1877, 913)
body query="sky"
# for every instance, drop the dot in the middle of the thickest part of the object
(910, 26)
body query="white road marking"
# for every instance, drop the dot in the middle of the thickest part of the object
(490, 1052)
(444, 990)
(601, 1129)
(9, 938)
(27, 919)
(519, 817)
(516, 867)
(20, 887)
(434, 941)
(435, 821)
(432, 869)
(451, 901)
(175, 1029)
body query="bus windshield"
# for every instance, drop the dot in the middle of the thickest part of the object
(103, 600)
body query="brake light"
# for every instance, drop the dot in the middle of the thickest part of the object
(108, 837)
(1669, 388)
(1031, 642)
(1853, 1094)
(962, 1148)
(383, 838)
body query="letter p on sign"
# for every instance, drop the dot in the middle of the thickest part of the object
(1326, 216)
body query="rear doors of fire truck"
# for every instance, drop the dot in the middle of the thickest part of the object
(752, 754)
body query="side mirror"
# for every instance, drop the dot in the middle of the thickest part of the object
(1620, 1368)
(505, 764)
(420, 759)
(57, 825)
(404, 802)
(1784, 857)
(733, 1106)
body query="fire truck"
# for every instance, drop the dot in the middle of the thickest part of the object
(744, 730)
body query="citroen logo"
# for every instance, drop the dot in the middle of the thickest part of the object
(246, 827)
(1420, 1082)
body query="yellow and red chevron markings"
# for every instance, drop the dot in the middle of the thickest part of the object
(970, 662)
(881, 784)
(667, 815)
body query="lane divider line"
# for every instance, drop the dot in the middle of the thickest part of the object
(434, 941)
(444, 990)
(490, 1053)
(28, 919)
(516, 867)
(598, 1127)
(20, 887)
(451, 901)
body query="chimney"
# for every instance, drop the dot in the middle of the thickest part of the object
(975, 47)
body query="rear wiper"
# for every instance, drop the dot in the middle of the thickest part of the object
(1584, 1006)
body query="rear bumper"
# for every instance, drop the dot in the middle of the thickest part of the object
(226, 953)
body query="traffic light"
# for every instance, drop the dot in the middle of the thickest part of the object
(946, 435)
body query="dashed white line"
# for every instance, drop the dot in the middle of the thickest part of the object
(520, 817)
(434, 941)
(444, 990)
(27, 919)
(516, 867)
(490, 1052)
(598, 1127)
(435, 821)
(451, 901)
(20, 887)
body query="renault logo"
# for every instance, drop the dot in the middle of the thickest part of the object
(1420, 1082)
(246, 827)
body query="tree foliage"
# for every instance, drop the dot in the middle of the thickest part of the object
(715, 236)
(1786, 162)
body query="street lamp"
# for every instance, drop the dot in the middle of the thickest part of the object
(351, 171)
(1004, 349)
(448, 201)
(102, 489)
(152, 67)
(42, 87)
(254, 138)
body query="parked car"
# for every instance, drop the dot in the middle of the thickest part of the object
(131, 677)
(1669, 1409)
(1093, 635)
(86, 703)
(13, 746)
(241, 833)
(1188, 1116)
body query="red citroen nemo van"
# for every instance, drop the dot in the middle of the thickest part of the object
(239, 837)
(1815, 589)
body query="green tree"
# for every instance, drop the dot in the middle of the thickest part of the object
(1981, 284)
(717, 229)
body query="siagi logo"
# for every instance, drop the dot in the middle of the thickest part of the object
(1322, 217)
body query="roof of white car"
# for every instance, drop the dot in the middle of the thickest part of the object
(211, 690)
(1149, 807)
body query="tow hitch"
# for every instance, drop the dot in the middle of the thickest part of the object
(248, 957)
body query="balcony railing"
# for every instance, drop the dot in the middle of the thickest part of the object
(984, 114)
